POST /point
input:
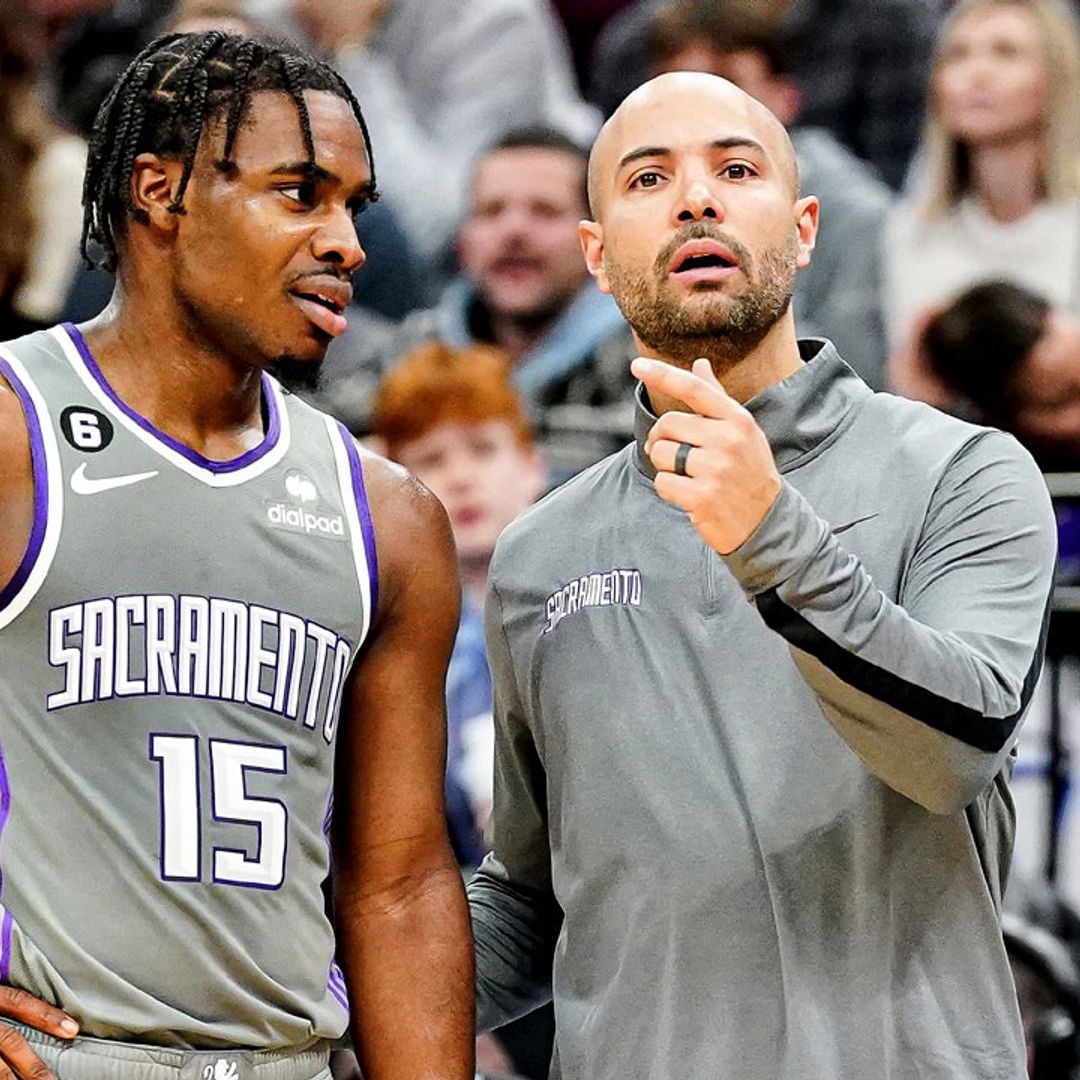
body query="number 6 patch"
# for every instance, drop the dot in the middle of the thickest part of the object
(86, 429)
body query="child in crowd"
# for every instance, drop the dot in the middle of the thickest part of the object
(453, 419)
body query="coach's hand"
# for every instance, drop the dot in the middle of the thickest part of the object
(729, 479)
(17, 1058)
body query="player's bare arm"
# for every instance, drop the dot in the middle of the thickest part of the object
(16, 483)
(400, 904)
(17, 1059)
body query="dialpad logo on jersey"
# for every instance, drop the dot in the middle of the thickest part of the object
(299, 513)
(603, 588)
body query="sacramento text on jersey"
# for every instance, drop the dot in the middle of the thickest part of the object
(201, 647)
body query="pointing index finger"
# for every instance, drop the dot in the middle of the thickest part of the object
(705, 397)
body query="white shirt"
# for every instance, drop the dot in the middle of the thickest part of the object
(926, 260)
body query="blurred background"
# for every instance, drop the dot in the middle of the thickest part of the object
(943, 140)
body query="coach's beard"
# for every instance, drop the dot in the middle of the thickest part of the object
(710, 323)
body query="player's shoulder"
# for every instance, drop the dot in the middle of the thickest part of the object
(409, 522)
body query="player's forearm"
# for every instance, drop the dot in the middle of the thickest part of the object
(408, 961)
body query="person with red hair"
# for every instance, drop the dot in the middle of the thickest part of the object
(452, 417)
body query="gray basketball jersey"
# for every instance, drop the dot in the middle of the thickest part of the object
(173, 651)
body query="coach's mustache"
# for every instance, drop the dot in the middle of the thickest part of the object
(703, 230)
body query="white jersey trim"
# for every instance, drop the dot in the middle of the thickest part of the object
(352, 517)
(54, 506)
(208, 476)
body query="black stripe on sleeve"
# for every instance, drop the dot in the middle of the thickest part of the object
(987, 733)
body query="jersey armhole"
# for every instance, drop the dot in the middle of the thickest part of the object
(358, 515)
(48, 494)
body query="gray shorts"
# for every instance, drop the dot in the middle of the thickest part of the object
(104, 1059)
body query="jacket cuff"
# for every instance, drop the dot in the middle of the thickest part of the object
(786, 540)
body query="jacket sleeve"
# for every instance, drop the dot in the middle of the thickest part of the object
(515, 917)
(928, 690)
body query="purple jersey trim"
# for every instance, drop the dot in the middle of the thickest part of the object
(41, 488)
(335, 983)
(5, 928)
(273, 429)
(5, 949)
(366, 527)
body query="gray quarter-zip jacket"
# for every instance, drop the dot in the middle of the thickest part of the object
(752, 819)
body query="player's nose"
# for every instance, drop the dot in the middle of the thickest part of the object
(338, 242)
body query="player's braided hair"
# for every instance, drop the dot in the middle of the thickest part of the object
(162, 104)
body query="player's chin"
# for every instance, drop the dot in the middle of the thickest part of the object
(297, 370)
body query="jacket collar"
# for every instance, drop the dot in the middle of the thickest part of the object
(798, 415)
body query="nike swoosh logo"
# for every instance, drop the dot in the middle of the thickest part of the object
(858, 521)
(82, 484)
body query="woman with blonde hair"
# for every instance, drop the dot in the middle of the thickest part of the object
(999, 194)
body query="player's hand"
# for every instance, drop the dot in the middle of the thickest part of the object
(17, 1058)
(731, 479)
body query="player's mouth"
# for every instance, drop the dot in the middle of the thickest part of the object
(703, 260)
(323, 300)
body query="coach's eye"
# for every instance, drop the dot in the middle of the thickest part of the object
(737, 171)
(648, 179)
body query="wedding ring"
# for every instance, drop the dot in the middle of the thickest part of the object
(681, 454)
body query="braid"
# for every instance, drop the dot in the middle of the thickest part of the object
(345, 91)
(289, 65)
(193, 74)
(163, 103)
(128, 129)
(244, 60)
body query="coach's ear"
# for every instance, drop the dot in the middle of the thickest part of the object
(155, 184)
(591, 234)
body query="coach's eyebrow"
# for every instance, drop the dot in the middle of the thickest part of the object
(642, 152)
(738, 142)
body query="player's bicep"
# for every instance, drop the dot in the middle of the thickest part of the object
(391, 752)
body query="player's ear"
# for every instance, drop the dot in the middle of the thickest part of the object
(155, 183)
(591, 234)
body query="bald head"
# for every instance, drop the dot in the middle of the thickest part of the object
(685, 108)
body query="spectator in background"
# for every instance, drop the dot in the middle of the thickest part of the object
(861, 67)
(837, 295)
(525, 288)
(1006, 355)
(453, 419)
(1001, 194)
(41, 168)
(584, 19)
(440, 82)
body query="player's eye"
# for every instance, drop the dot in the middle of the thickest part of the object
(302, 192)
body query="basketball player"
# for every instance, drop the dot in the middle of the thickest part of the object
(758, 676)
(223, 630)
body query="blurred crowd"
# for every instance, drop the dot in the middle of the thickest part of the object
(942, 138)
